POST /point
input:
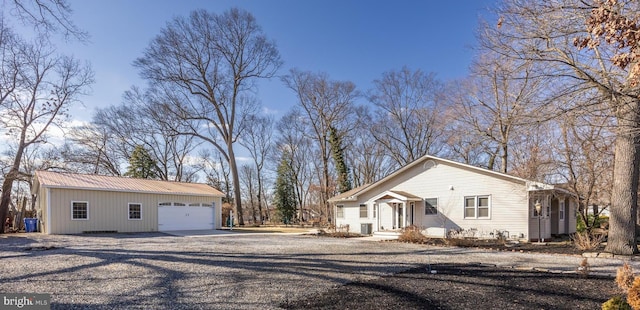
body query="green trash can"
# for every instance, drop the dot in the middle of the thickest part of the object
(30, 225)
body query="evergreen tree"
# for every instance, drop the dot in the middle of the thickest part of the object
(337, 151)
(284, 199)
(141, 165)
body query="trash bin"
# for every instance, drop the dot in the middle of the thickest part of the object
(30, 225)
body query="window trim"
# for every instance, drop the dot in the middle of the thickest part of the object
(129, 211)
(340, 211)
(436, 206)
(366, 211)
(561, 210)
(86, 205)
(375, 210)
(476, 207)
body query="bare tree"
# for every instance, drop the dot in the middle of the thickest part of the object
(257, 139)
(326, 104)
(587, 162)
(248, 178)
(212, 61)
(217, 174)
(407, 123)
(294, 143)
(90, 149)
(48, 17)
(367, 157)
(498, 104)
(544, 32)
(46, 85)
(139, 121)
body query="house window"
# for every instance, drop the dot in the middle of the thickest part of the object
(79, 210)
(135, 211)
(561, 211)
(476, 207)
(364, 211)
(431, 206)
(340, 211)
(375, 210)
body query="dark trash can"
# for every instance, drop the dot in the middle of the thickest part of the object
(30, 225)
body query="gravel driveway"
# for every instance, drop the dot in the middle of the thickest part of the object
(247, 271)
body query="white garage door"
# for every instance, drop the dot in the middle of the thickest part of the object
(184, 218)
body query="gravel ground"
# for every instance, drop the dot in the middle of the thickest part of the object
(247, 271)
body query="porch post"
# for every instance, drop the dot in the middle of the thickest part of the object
(404, 214)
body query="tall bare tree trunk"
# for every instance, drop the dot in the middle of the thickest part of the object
(236, 183)
(624, 198)
(7, 185)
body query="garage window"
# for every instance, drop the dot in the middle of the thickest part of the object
(79, 210)
(135, 211)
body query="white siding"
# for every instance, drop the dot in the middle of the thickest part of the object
(450, 184)
(352, 217)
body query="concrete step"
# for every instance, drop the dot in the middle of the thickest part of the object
(386, 234)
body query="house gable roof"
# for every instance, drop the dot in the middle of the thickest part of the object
(429, 161)
(49, 179)
(348, 195)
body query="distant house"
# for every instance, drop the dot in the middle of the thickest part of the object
(446, 197)
(69, 203)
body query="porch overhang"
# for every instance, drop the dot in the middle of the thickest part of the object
(396, 196)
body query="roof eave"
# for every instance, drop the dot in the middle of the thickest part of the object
(131, 191)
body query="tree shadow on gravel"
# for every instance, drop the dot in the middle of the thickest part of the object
(460, 286)
(167, 273)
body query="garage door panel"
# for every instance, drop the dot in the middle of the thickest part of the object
(184, 218)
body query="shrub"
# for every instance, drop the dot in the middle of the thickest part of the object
(586, 241)
(624, 277)
(412, 234)
(616, 303)
(633, 296)
(581, 226)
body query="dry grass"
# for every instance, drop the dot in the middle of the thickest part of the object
(633, 297)
(586, 241)
(624, 277)
(412, 234)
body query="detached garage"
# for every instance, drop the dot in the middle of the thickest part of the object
(69, 203)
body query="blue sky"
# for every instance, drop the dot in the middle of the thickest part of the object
(349, 40)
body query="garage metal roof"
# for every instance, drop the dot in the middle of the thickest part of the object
(49, 179)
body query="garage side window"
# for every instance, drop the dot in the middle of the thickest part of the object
(79, 210)
(135, 211)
